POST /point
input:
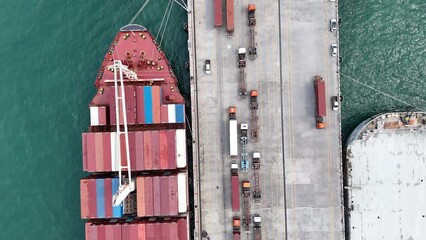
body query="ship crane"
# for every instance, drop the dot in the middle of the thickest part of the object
(127, 185)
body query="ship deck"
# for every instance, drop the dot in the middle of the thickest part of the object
(301, 175)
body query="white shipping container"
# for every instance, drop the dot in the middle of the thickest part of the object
(182, 191)
(180, 148)
(233, 138)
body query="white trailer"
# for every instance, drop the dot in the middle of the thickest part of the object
(233, 138)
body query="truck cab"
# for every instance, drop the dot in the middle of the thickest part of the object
(207, 66)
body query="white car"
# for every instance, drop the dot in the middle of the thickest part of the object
(207, 67)
(335, 102)
(333, 49)
(333, 25)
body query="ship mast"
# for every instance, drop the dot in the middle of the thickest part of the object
(127, 185)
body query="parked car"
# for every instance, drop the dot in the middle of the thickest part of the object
(207, 67)
(333, 49)
(335, 103)
(333, 25)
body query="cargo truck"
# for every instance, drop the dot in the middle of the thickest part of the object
(218, 13)
(253, 116)
(233, 132)
(252, 22)
(236, 223)
(256, 176)
(320, 105)
(246, 207)
(257, 231)
(235, 188)
(230, 16)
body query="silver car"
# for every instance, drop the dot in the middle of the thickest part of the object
(333, 25)
(334, 50)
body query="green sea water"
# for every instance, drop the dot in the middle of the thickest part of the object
(383, 46)
(50, 54)
(51, 51)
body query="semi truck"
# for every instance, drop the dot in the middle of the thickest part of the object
(243, 140)
(257, 231)
(235, 188)
(230, 16)
(256, 176)
(218, 13)
(252, 22)
(233, 132)
(241, 65)
(320, 105)
(246, 207)
(236, 226)
(253, 116)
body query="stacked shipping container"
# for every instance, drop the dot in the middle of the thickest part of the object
(149, 150)
(138, 230)
(161, 195)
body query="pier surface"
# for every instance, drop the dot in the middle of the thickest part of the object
(301, 173)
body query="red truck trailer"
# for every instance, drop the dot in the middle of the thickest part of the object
(218, 13)
(230, 16)
(235, 188)
(321, 111)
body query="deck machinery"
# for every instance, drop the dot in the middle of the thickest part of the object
(256, 176)
(242, 65)
(252, 23)
(253, 116)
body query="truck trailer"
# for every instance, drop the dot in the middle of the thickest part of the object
(320, 105)
(218, 13)
(235, 188)
(257, 231)
(230, 16)
(233, 132)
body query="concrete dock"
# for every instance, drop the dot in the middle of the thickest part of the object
(301, 174)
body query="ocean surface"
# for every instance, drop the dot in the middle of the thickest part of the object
(50, 54)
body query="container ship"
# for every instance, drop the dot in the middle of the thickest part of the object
(135, 148)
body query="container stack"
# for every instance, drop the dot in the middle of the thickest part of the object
(154, 109)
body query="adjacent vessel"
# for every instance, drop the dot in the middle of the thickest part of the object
(135, 147)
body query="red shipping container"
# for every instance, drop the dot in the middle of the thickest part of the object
(123, 150)
(140, 195)
(157, 229)
(165, 231)
(141, 231)
(150, 231)
(133, 232)
(101, 232)
(164, 196)
(139, 151)
(99, 151)
(132, 147)
(108, 197)
(125, 231)
(130, 104)
(182, 229)
(117, 232)
(147, 150)
(171, 148)
(106, 141)
(174, 234)
(156, 183)
(149, 197)
(91, 152)
(140, 111)
(163, 150)
(109, 232)
(156, 104)
(84, 150)
(155, 138)
(230, 16)
(84, 199)
(173, 195)
(164, 114)
(218, 13)
(91, 232)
